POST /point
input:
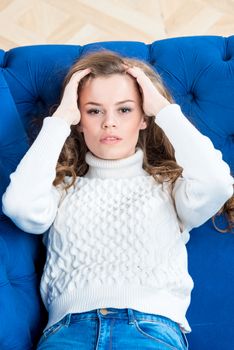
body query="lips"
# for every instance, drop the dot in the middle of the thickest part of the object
(110, 138)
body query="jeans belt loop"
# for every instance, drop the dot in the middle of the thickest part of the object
(67, 320)
(131, 317)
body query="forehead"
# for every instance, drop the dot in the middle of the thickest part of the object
(113, 87)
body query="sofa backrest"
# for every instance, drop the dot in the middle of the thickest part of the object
(199, 73)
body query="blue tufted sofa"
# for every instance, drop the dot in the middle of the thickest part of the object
(199, 72)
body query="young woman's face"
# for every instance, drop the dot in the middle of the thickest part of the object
(111, 106)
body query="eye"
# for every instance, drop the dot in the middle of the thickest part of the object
(125, 110)
(93, 111)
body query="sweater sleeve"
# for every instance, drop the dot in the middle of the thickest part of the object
(30, 200)
(206, 182)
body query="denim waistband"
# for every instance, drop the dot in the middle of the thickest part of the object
(128, 314)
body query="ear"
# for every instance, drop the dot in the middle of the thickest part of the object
(143, 124)
(80, 128)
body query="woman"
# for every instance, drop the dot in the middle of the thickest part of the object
(113, 179)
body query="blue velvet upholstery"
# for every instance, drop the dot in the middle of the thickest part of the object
(199, 72)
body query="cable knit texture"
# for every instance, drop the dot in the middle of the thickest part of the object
(114, 233)
(117, 238)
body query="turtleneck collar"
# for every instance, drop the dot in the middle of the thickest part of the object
(117, 168)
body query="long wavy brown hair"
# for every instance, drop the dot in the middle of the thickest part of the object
(159, 154)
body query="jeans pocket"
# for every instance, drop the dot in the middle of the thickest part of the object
(185, 340)
(55, 328)
(162, 333)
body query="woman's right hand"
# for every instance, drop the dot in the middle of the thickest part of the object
(68, 109)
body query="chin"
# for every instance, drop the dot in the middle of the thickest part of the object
(114, 154)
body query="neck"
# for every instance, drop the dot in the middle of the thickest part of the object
(120, 168)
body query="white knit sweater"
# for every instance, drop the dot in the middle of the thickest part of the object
(118, 238)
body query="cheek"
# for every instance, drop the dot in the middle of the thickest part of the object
(88, 133)
(91, 132)
(134, 128)
(85, 123)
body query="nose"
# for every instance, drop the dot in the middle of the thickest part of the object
(109, 122)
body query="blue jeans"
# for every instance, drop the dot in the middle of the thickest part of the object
(113, 329)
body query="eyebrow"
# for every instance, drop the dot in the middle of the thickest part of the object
(99, 104)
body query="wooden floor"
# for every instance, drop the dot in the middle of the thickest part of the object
(30, 22)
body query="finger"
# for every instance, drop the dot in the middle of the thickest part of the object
(75, 81)
(139, 76)
(80, 74)
(132, 73)
(135, 71)
(125, 65)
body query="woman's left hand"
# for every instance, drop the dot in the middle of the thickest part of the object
(153, 101)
